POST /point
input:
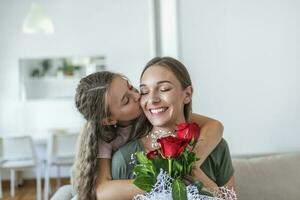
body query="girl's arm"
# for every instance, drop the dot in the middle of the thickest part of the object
(210, 135)
(108, 189)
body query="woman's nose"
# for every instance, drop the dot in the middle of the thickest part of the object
(154, 98)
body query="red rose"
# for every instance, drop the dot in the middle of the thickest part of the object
(152, 154)
(172, 147)
(189, 131)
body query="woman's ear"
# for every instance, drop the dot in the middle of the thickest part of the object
(108, 121)
(188, 94)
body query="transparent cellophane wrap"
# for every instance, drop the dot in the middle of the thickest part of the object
(162, 190)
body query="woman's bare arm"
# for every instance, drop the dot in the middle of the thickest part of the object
(108, 189)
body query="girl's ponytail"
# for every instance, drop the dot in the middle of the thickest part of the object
(90, 101)
(86, 163)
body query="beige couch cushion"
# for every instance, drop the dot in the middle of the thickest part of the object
(275, 177)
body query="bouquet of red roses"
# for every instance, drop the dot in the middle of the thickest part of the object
(173, 157)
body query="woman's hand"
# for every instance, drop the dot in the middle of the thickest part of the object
(198, 175)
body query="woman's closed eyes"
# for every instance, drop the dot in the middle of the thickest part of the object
(161, 89)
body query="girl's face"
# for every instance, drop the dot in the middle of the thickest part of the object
(123, 101)
(162, 97)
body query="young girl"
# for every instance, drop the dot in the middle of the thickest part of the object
(166, 95)
(111, 106)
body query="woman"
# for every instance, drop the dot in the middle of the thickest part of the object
(166, 96)
(111, 106)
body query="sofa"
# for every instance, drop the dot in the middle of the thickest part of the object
(258, 177)
(269, 177)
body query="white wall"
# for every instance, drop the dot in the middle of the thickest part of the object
(243, 58)
(117, 29)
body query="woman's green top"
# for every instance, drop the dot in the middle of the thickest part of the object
(217, 166)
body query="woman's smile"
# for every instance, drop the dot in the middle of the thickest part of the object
(162, 97)
(160, 110)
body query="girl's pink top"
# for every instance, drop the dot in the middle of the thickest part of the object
(107, 149)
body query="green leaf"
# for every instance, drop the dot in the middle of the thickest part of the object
(160, 163)
(179, 190)
(192, 158)
(144, 165)
(142, 158)
(142, 169)
(177, 168)
(144, 182)
(185, 155)
(177, 165)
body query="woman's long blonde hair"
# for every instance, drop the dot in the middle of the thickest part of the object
(90, 100)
